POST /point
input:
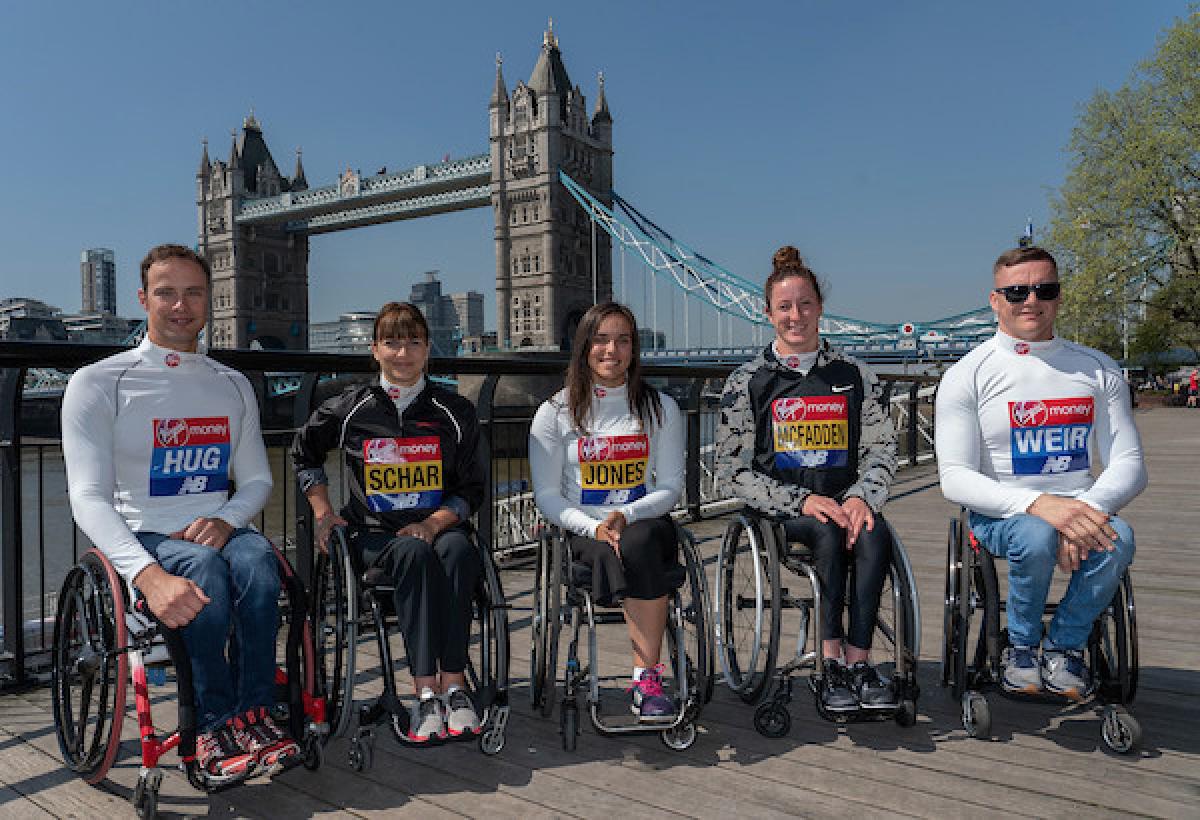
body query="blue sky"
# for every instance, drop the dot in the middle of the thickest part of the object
(899, 145)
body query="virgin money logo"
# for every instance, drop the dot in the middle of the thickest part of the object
(381, 451)
(594, 449)
(171, 432)
(171, 359)
(1029, 413)
(790, 409)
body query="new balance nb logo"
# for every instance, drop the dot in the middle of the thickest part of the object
(193, 484)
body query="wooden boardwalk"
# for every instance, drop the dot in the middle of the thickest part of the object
(1045, 760)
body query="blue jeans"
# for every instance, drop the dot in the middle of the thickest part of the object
(242, 581)
(1030, 545)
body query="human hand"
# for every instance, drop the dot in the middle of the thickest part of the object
(859, 514)
(175, 601)
(1070, 554)
(426, 530)
(1078, 521)
(825, 509)
(324, 526)
(211, 532)
(610, 530)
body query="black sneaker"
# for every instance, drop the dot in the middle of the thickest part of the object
(874, 692)
(836, 694)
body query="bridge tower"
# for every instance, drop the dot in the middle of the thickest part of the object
(547, 270)
(260, 273)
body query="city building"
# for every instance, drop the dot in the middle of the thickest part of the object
(468, 312)
(351, 333)
(98, 275)
(439, 313)
(30, 320)
(99, 328)
(478, 343)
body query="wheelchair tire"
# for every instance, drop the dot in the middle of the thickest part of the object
(547, 618)
(748, 578)
(950, 625)
(681, 737)
(335, 632)
(899, 617)
(694, 617)
(90, 667)
(976, 715)
(145, 795)
(1112, 647)
(569, 725)
(488, 655)
(772, 719)
(1121, 731)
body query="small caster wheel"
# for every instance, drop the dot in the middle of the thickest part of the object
(772, 719)
(976, 716)
(569, 720)
(1121, 731)
(314, 754)
(906, 715)
(491, 742)
(145, 795)
(680, 737)
(362, 753)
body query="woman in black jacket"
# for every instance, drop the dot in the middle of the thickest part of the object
(411, 449)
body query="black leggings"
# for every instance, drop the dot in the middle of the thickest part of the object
(648, 551)
(434, 587)
(872, 556)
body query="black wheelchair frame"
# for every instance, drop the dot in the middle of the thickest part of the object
(689, 644)
(342, 599)
(748, 580)
(971, 656)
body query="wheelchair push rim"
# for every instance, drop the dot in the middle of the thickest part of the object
(335, 632)
(747, 609)
(90, 668)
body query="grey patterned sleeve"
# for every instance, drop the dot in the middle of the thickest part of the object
(876, 446)
(735, 454)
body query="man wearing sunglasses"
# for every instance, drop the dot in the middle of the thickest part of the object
(1019, 420)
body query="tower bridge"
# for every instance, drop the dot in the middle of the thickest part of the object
(548, 178)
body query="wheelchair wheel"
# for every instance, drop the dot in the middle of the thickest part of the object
(335, 624)
(90, 667)
(976, 715)
(1112, 647)
(488, 653)
(899, 618)
(693, 620)
(950, 624)
(748, 608)
(1121, 731)
(547, 622)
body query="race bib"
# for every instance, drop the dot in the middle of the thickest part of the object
(810, 431)
(1050, 436)
(612, 469)
(403, 473)
(189, 456)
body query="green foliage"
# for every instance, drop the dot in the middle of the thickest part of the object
(1126, 224)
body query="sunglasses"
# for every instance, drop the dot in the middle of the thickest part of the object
(1045, 292)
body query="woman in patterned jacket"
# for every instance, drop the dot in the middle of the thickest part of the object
(804, 437)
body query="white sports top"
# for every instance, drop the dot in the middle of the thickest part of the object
(151, 438)
(578, 479)
(1016, 419)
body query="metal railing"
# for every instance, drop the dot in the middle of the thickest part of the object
(39, 541)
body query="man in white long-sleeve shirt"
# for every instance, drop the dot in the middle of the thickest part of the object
(1019, 420)
(151, 439)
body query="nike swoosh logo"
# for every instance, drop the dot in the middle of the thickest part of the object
(841, 388)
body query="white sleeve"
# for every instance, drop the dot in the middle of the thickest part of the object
(1120, 448)
(957, 440)
(251, 470)
(88, 419)
(668, 467)
(547, 459)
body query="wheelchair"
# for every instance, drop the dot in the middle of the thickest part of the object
(971, 651)
(749, 608)
(562, 596)
(102, 642)
(348, 600)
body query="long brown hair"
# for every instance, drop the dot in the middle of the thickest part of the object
(644, 401)
(786, 263)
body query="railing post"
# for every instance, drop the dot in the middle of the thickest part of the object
(692, 469)
(301, 407)
(912, 424)
(11, 563)
(486, 411)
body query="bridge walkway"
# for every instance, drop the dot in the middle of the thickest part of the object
(1045, 760)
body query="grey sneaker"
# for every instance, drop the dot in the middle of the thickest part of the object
(836, 692)
(428, 725)
(1064, 673)
(1019, 670)
(461, 719)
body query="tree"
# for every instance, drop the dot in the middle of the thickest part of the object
(1126, 224)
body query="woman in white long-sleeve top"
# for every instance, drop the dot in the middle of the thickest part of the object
(606, 453)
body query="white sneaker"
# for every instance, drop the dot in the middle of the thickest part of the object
(461, 718)
(428, 723)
